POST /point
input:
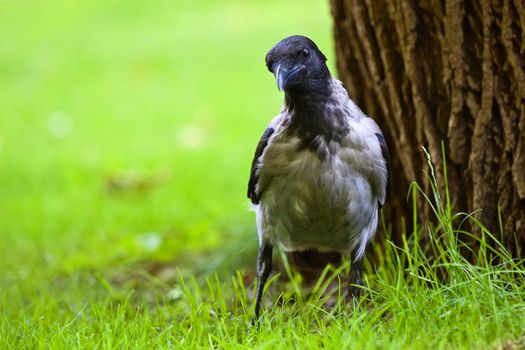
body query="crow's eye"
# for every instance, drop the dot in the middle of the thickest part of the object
(305, 52)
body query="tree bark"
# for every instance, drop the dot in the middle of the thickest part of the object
(434, 71)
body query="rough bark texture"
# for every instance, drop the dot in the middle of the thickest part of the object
(447, 71)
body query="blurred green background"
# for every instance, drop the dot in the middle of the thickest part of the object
(127, 130)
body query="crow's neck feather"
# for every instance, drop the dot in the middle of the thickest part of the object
(315, 116)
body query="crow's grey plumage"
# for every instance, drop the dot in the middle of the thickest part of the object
(319, 172)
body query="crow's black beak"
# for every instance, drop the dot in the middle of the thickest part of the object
(284, 76)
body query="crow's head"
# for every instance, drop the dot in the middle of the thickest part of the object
(297, 64)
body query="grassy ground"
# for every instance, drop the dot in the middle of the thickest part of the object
(126, 133)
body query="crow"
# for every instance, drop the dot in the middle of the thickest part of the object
(319, 173)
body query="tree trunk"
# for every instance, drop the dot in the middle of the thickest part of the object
(448, 71)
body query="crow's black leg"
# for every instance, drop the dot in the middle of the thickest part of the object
(355, 279)
(264, 267)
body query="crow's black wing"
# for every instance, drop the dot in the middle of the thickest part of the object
(384, 147)
(254, 176)
(384, 152)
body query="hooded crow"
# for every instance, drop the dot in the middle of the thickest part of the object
(319, 173)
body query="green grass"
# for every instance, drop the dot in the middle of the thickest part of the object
(126, 135)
